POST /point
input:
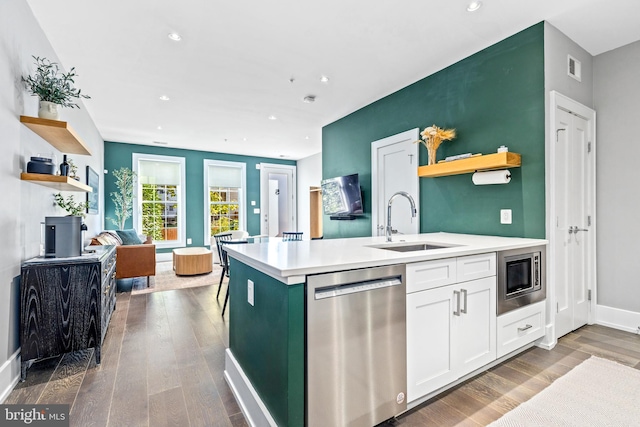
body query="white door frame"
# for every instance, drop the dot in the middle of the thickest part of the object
(558, 100)
(265, 169)
(411, 135)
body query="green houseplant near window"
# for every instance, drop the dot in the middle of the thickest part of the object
(52, 87)
(123, 198)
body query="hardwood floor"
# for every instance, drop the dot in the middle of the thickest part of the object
(163, 363)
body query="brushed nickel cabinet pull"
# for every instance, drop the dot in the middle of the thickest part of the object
(525, 328)
(457, 296)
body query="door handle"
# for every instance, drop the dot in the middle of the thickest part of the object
(456, 294)
(464, 294)
(575, 229)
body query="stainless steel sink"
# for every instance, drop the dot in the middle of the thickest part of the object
(411, 247)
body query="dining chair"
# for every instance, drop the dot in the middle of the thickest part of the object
(288, 236)
(221, 238)
(224, 260)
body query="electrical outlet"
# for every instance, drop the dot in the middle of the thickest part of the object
(505, 216)
(189, 241)
(250, 292)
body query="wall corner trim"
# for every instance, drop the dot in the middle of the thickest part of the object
(9, 375)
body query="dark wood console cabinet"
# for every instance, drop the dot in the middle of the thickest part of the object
(66, 304)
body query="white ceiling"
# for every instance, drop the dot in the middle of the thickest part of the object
(241, 61)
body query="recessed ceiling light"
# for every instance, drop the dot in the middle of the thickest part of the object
(473, 6)
(174, 36)
(324, 79)
(309, 99)
(306, 137)
(164, 98)
(272, 117)
(159, 127)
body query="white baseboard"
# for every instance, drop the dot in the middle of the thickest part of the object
(253, 409)
(617, 318)
(9, 375)
(549, 340)
(165, 256)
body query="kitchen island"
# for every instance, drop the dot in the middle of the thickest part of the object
(265, 361)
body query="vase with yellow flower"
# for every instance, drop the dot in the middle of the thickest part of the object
(432, 137)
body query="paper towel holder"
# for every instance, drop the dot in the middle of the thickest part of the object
(502, 176)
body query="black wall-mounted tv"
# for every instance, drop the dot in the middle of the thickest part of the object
(341, 197)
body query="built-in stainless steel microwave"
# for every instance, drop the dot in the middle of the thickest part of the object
(521, 278)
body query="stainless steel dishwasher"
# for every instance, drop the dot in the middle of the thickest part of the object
(356, 347)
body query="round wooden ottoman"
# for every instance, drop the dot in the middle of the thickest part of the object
(189, 261)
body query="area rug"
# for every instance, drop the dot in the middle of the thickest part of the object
(165, 280)
(598, 392)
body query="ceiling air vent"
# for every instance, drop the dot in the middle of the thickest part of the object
(574, 68)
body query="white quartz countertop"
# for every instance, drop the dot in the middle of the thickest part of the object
(290, 262)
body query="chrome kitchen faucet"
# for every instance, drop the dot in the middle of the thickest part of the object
(413, 210)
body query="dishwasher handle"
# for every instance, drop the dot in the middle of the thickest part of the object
(352, 288)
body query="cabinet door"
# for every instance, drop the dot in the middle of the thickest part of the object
(474, 332)
(429, 360)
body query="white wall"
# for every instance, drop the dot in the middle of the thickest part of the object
(617, 103)
(309, 172)
(26, 204)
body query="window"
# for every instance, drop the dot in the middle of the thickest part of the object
(224, 197)
(160, 211)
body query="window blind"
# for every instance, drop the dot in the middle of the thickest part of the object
(158, 172)
(225, 176)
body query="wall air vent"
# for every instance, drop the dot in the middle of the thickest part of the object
(574, 68)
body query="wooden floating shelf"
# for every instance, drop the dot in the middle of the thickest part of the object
(471, 164)
(57, 133)
(61, 183)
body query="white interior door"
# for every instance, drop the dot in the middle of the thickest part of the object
(573, 234)
(394, 167)
(274, 193)
(284, 204)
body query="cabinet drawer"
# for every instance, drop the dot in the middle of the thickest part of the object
(474, 267)
(430, 274)
(520, 327)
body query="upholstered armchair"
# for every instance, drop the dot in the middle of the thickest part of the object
(132, 260)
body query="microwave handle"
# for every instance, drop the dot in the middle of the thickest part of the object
(536, 270)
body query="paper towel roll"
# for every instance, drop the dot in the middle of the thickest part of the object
(492, 177)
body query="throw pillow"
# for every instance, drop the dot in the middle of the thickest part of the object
(129, 237)
(108, 239)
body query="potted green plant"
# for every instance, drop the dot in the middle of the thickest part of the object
(123, 198)
(53, 87)
(69, 204)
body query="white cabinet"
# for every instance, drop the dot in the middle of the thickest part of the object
(451, 328)
(520, 327)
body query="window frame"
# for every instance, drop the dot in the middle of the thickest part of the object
(242, 194)
(181, 194)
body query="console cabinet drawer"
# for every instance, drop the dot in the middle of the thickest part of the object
(475, 267)
(520, 327)
(430, 274)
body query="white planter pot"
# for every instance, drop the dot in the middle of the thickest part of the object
(48, 110)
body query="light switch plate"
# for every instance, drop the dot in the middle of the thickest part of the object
(505, 216)
(250, 292)
(256, 210)
(189, 241)
(253, 203)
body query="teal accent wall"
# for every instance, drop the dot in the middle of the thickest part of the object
(494, 97)
(267, 340)
(117, 155)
